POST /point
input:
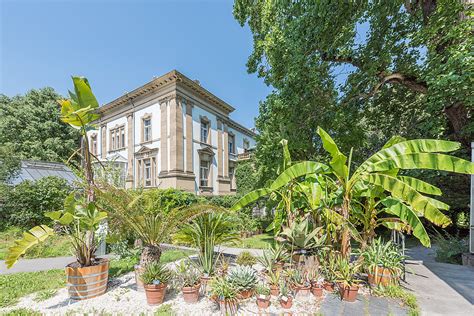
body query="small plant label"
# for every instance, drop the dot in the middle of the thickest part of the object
(284, 299)
(262, 297)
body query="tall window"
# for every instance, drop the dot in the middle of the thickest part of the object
(93, 144)
(232, 144)
(231, 177)
(204, 131)
(204, 173)
(147, 130)
(117, 138)
(147, 174)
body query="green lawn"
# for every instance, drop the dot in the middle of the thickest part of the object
(14, 286)
(55, 246)
(261, 241)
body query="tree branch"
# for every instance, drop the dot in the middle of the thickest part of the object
(410, 82)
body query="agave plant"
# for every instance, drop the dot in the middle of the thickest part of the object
(406, 196)
(381, 254)
(242, 278)
(156, 273)
(301, 238)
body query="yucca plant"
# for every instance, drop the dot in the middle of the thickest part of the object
(273, 278)
(345, 272)
(407, 200)
(381, 254)
(243, 278)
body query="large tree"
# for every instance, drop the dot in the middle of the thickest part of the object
(30, 126)
(363, 70)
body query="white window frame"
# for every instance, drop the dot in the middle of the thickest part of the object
(204, 131)
(147, 172)
(146, 129)
(204, 173)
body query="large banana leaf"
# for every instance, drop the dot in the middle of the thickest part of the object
(406, 214)
(63, 218)
(338, 162)
(298, 170)
(250, 198)
(407, 194)
(30, 238)
(421, 186)
(408, 147)
(425, 161)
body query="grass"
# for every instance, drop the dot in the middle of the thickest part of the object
(396, 291)
(14, 286)
(261, 241)
(21, 312)
(55, 246)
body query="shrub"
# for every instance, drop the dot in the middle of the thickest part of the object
(225, 201)
(23, 205)
(245, 258)
(450, 248)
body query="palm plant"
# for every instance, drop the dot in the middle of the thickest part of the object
(80, 217)
(406, 199)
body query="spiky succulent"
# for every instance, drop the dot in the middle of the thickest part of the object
(243, 278)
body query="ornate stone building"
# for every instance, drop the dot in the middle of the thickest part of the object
(172, 132)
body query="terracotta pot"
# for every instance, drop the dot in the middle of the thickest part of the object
(328, 286)
(381, 276)
(274, 290)
(317, 290)
(278, 266)
(263, 302)
(138, 280)
(227, 307)
(191, 293)
(286, 304)
(303, 290)
(245, 294)
(155, 294)
(87, 282)
(348, 293)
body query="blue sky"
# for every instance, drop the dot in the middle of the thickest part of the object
(120, 45)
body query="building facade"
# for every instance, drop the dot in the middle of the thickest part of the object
(172, 133)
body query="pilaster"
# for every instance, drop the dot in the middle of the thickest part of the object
(189, 138)
(130, 150)
(103, 141)
(164, 136)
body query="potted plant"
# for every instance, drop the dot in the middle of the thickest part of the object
(329, 268)
(155, 277)
(80, 219)
(316, 281)
(383, 261)
(225, 294)
(189, 280)
(299, 282)
(273, 279)
(245, 258)
(263, 296)
(301, 239)
(346, 280)
(244, 279)
(286, 296)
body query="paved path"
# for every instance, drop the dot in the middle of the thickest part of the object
(42, 264)
(441, 288)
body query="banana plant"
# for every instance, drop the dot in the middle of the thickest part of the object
(79, 215)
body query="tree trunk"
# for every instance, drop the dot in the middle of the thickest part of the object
(346, 238)
(150, 253)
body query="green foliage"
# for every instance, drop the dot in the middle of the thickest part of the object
(245, 177)
(397, 292)
(30, 127)
(24, 205)
(301, 237)
(245, 258)
(10, 164)
(223, 289)
(164, 310)
(187, 276)
(374, 69)
(345, 271)
(155, 273)
(21, 312)
(449, 248)
(169, 199)
(381, 254)
(224, 201)
(261, 241)
(242, 277)
(262, 289)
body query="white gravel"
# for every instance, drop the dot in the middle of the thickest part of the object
(122, 298)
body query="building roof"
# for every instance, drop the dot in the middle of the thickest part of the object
(34, 170)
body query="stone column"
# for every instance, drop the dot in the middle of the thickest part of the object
(176, 135)
(220, 162)
(103, 141)
(189, 138)
(130, 150)
(164, 136)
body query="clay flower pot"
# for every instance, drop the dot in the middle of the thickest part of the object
(286, 304)
(348, 293)
(317, 290)
(191, 293)
(381, 276)
(303, 290)
(245, 294)
(155, 293)
(263, 301)
(328, 286)
(274, 290)
(278, 266)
